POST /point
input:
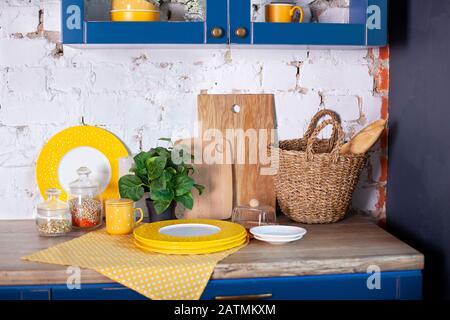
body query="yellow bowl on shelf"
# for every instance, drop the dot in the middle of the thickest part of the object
(133, 5)
(135, 15)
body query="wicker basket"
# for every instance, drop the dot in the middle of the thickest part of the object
(314, 183)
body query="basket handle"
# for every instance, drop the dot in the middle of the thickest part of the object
(315, 120)
(337, 131)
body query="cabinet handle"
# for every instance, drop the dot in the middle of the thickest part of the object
(217, 32)
(240, 32)
(246, 297)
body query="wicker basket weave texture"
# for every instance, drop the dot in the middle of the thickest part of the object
(315, 183)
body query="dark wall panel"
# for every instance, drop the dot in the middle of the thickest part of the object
(418, 205)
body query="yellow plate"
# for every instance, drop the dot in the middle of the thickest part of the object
(192, 251)
(150, 232)
(190, 246)
(69, 139)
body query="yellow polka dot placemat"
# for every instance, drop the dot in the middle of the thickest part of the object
(156, 276)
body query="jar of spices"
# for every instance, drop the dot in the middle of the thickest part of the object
(85, 201)
(53, 217)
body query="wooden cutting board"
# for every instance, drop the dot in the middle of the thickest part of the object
(216, 202)
(247, 112)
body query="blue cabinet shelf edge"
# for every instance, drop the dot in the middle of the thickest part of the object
(367, 28)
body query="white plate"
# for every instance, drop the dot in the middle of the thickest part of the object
(273, 241)
(88, 157)
(277, 231)
(189, 230)
(278, 238)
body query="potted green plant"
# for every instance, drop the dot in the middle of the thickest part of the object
(167, 182)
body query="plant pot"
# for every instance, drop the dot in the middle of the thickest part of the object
(169, 214)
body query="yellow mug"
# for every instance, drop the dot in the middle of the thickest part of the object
(282, 12)
(120, 218)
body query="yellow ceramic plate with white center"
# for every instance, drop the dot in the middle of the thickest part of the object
(81, 146)
(189, 245)
(192, 251)
(192, 233)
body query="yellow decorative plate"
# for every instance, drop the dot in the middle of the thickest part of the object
(190, 246)
(80, 146)
(193, 251)
(189, 232)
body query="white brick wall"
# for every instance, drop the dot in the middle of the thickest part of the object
(141, 95)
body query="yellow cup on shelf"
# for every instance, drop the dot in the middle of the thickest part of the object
(120, 216)
(135, 15)
(282, 12)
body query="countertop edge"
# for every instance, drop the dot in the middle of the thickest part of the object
(234, 271)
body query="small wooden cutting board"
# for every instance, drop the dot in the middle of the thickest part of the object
(216, 202)
(254, 114)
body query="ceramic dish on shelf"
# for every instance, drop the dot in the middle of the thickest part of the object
(276, 234)
(172, 246)
(80, 146)
(193, 236)
(135, 15)
(277, 231)
(225, 231)
(278, 241)
(185, 251)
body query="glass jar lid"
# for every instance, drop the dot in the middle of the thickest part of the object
(52, 206)
(84, 185)
(255, 206)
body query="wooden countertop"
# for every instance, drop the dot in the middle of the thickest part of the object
(349, 246)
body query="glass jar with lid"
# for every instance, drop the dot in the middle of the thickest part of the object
(85, 201)
(254, 215)
(53, 217)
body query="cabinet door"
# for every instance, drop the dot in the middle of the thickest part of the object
(88, 22)
(405, 285)
(240, 21)
(112, 291)
(216, 21)
(363, 23)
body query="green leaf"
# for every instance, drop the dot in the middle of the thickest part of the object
(159, 183)
(171, 170)
(200, 188)
(165, 139)
(161, 206)
(131, 187)
(155, 167)
(186, 200)
(140, 169)
(140, 159)
(162, 195)
(183, 184)
(163, 152)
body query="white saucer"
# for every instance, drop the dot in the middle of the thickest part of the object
(278, 232)
(278, 241)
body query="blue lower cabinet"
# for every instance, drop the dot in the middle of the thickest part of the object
(325, 287)
(402, 285)
(26, 293)
(111, 291)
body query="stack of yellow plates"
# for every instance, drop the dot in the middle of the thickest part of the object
(193, 236)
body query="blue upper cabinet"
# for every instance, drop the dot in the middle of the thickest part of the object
(88, 22)
(366, 25)
(238, 22)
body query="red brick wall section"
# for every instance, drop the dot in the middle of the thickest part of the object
(380, 73)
